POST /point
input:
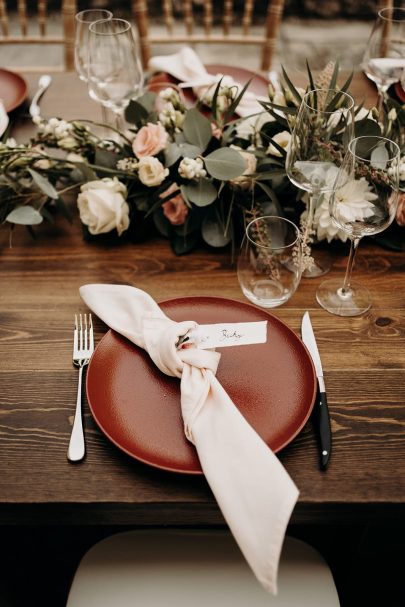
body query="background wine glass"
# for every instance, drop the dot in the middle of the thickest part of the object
(384, 57)
(115, 74)
(323, 129)
(364, 202)
(83, 21)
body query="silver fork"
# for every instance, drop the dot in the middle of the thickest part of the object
(83, 346)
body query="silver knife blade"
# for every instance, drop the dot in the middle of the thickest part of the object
(321, 411)
(308, 337)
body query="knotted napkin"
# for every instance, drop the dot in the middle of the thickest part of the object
(253, 490)
(186, 66)
(4, 120)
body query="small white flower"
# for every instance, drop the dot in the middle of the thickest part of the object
(392, 114)
(11, 143)
(73, 157)
(127, 164)
(192, 168)
(283, 139)
(67, 143)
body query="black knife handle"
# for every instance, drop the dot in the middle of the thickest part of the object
(324, 429)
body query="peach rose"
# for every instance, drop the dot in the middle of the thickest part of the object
(174, 209)
(401, 211)
(150, 140)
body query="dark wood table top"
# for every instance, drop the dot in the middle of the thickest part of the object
(364, 364)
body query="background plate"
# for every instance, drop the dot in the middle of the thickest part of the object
(13, 89)
(138, 407)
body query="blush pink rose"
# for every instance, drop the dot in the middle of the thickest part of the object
(150, 140)
(401, 211)
(175, 209)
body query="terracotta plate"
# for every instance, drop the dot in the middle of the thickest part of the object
(400, 91)
(13, 89)
(138, 407)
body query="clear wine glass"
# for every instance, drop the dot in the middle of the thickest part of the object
(83, 21)
(323, 129)
(364, 202)
(384, 57)
(115, 72)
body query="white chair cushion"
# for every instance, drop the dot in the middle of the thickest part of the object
(168, 568)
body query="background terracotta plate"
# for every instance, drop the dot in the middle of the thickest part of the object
(138, 407)
(259, 85)
(13, 89)
(399, 91)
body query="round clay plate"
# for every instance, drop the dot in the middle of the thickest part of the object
(13, 89)
(138, 407)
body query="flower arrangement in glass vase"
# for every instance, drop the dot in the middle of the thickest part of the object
(193, 174)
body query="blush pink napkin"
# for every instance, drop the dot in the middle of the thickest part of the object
(253, 490)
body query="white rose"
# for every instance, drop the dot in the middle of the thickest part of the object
(151, 171)
(103, 207)
(283, 140)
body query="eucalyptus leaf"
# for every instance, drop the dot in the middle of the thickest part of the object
(184, 244)
(44, 184)
(225, 164)
(25, 215)
(161, 223)
(367, 128)
(201, 192)
(106, 158)
(190, 151)
(379, 157)
(213, 232)
(136, 113)
(172, 154)
(197, 129)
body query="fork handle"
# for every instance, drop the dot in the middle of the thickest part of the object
(77, 449)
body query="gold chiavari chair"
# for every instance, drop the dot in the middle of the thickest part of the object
(191, 32)
(31, 20)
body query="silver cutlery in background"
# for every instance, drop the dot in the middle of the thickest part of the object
(83, 347)
(321, 412)
(43, 83)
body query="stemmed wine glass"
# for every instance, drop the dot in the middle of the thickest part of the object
(324, 127)
(384, 57)
(83, 21)
(363, 202)
(115, 72)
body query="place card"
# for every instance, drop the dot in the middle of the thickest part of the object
(222, 335)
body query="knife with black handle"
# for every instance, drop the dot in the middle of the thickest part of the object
(321, 411)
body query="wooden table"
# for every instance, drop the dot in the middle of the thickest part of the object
(364, 364)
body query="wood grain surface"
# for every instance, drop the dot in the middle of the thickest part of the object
(364, 364)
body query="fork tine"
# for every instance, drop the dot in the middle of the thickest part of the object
(81, 333)
(91, 334)
(85, 341)
(75, 336)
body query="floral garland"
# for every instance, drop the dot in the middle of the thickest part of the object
(193, 174)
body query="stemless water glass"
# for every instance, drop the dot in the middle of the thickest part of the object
(323, 129)
(269, 262)
(115, 72)
(384, 57)
(364, 202)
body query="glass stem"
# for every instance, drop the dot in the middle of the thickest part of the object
(313, 203)
(354, 242)
(382, 93)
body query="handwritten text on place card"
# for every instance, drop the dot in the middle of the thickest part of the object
(229, 334)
